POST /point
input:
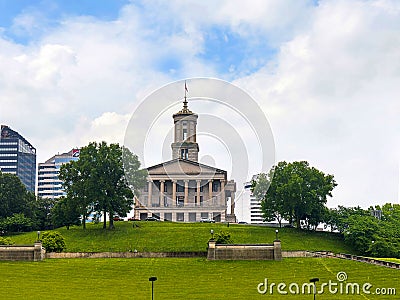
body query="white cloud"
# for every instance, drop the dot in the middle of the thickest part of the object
(331, 98)
(330, 93)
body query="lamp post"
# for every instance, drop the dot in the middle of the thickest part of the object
(212, 234)
(276, 234)
(152, 279)
(38, 236)
(314, 280)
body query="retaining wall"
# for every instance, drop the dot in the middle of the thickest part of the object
(125, 254)
(244, 251)
(23, 252)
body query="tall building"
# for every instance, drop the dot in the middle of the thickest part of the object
(248, 208)
(49, 185)
(183, 189)
(18, 156)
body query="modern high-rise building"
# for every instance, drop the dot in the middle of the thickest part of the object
(248, 208)
(183, 189)
(18, 156)
(49, 185)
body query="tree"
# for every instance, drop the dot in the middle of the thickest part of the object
(16, 223)
(65, 213)
(338, 218)
(370, 235)
(97, 180)
(41, 212)
(272, 207)
(297, 192)
(79, 181)
(135, 177)
(14, 197)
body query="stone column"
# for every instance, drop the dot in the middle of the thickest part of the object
(211, 249)
(277, 250)
(222, 200)
(162, 182)
(150, 182)
(185, 202)
(232, 202)
(173, 192)
(210, 182)
(37, 251)
(198, 192)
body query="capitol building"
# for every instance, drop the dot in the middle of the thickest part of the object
(182, 189)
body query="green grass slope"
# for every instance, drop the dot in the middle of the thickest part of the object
(168, 236)
(184, 278)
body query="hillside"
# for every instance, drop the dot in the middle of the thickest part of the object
(168, 236)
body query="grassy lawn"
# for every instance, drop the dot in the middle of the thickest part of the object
(181, 278)
(168, 236)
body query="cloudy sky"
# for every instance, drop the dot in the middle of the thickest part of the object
(325, 73)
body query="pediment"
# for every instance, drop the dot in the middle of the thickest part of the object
(182, 166)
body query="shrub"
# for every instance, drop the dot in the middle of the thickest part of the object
(53, 241)
(6, 241)
(223, 237)
(16, 223)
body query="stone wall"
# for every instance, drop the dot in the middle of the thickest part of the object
(125, 254)
(244, 251)
(24, 252)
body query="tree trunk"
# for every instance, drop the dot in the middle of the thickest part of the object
(84, 221)
(298, 223)
(104, 219)
(111, 226)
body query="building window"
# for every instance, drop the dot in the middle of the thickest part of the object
(217, 216)
(192, 217)
(184, 134)
(184, 154)
(180, 217)
(168, 217)
(215, 186)
(180, 200)
(180, 187)
(204, 215)
(165, 188)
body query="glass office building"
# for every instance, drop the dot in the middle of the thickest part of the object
(49, 185)
(18, 156)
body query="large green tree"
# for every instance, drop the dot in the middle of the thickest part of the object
(65, 213)
(98, 181)
(14, 198)
(272, 207)
(296, 192)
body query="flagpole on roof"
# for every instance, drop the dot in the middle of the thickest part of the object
(185, 101)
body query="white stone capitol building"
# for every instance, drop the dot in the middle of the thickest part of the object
(183, 189)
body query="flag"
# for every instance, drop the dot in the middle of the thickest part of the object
(186, 89)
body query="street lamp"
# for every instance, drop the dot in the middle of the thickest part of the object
(212, 234)
(276, 234)
(314, 280)
(152, 279)
(38, 236)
